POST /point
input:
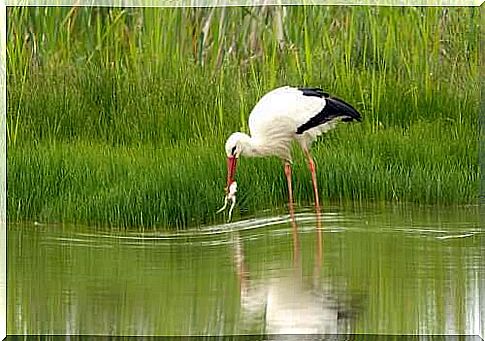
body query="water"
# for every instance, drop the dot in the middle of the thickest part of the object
(392, 270)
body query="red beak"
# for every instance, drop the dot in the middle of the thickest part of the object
(231, 170)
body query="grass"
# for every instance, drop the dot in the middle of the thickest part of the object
(119, 116)
(179, 186)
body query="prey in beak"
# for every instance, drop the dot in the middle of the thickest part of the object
(230, 196)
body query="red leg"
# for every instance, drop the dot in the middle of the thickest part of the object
(296, 244)
(311, 165)
(290, 191)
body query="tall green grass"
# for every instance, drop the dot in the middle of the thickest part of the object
(119, 116)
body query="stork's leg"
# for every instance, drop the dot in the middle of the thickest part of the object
(296, 242)
(290, 191)
(311, 165)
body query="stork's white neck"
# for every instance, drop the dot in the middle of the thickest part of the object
(249, 146)
(255, 147)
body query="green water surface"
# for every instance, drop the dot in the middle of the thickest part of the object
(392, 270)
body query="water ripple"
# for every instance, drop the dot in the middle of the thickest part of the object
(279, 225)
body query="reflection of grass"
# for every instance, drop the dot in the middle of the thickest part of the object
(385, 266)
(120, 116)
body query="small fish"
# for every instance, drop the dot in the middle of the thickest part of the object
(231, 196)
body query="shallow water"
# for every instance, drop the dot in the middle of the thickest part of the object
(392, 270)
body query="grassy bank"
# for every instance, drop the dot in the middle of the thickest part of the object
(149, 186)
(119, 116)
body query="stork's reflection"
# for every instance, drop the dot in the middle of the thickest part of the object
(287, 302)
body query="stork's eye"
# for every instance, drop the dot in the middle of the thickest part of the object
(233, 150)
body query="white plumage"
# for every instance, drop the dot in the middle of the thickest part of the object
(279, 113)
(275, 119)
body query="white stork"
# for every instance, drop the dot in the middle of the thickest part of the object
(282, 115)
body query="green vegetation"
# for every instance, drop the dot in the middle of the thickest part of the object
(119, 116)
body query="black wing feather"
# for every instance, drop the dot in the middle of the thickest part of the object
(316, 92)
(334, 108)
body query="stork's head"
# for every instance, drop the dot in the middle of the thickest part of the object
(235, 145)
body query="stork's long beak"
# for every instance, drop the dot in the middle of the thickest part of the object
(231, 170)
